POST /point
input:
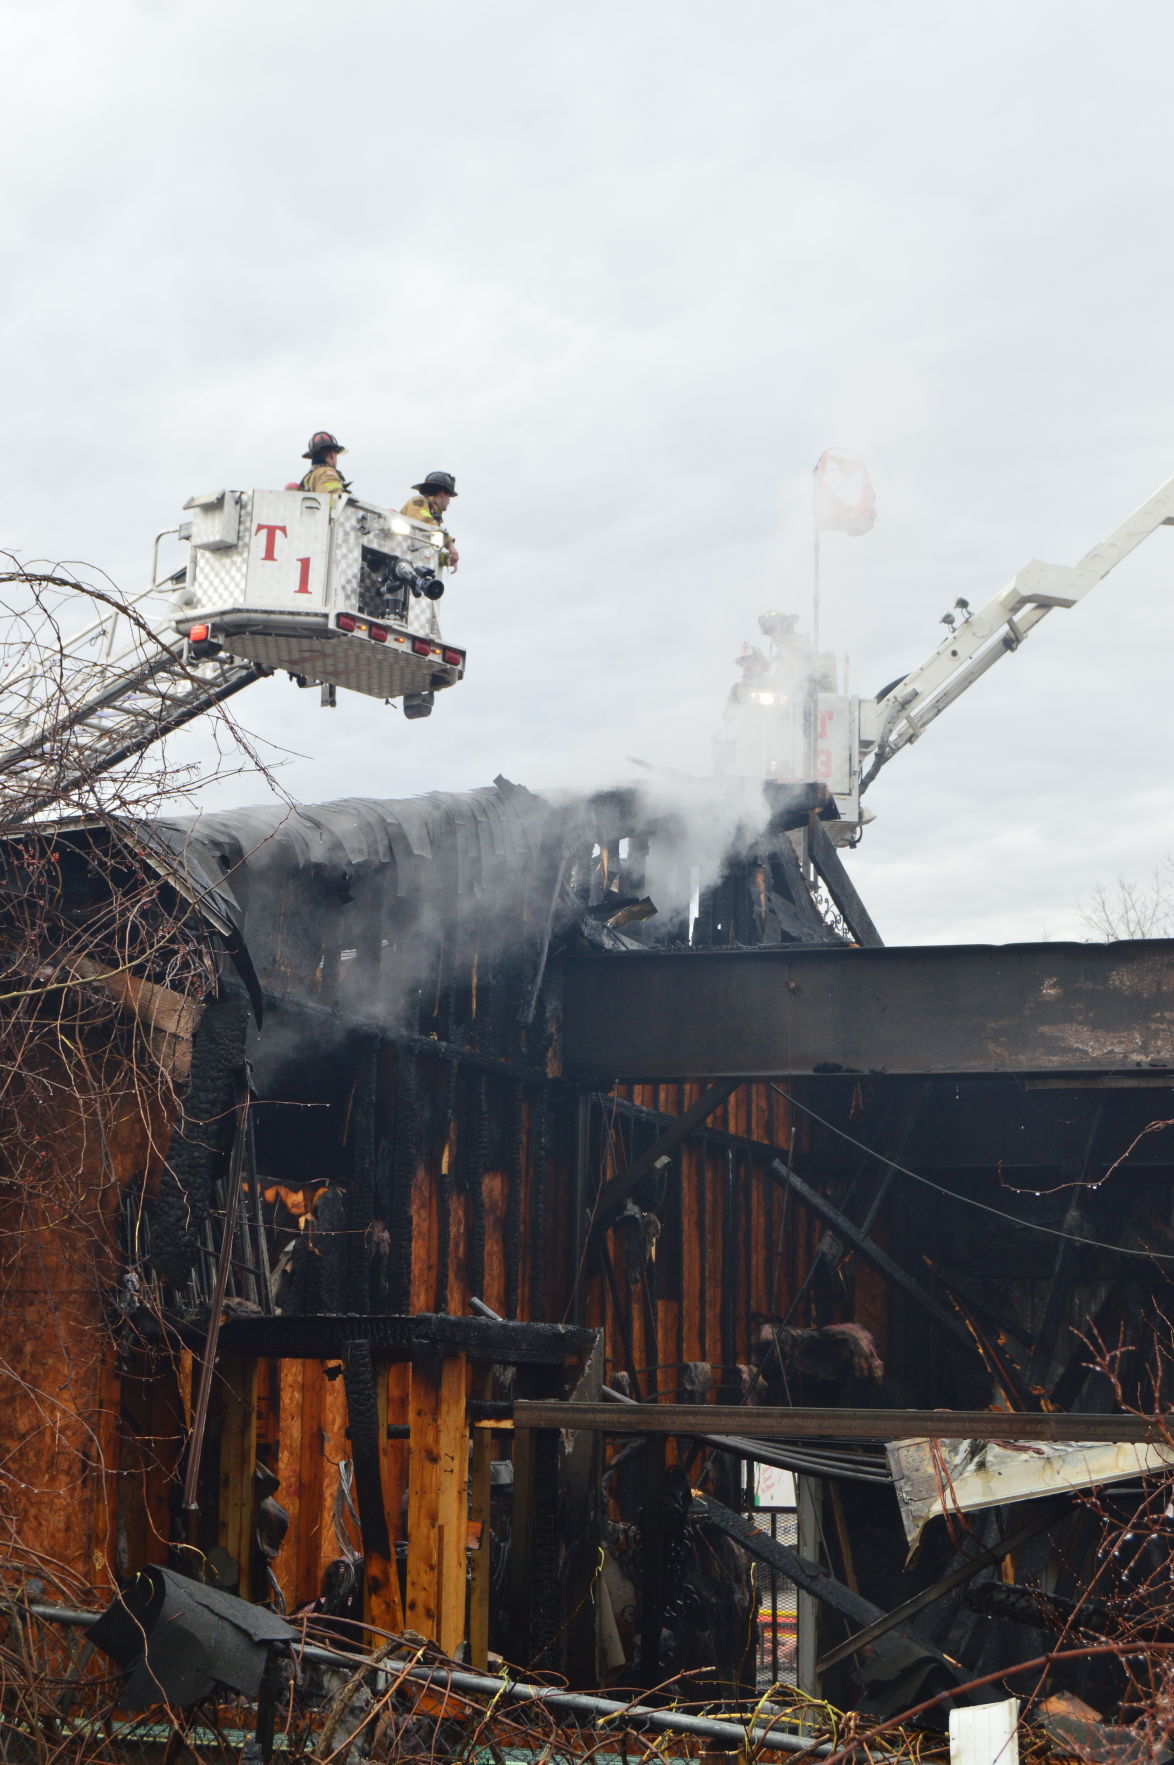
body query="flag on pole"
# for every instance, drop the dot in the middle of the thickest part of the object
(844, 499)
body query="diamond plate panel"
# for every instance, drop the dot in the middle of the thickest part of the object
(219, 579)
(356, 525)
(346, 559)
(422, 620)
(352, 662)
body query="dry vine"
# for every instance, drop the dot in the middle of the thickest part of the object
(103, 968)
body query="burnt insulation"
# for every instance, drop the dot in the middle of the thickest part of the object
(201, 1137)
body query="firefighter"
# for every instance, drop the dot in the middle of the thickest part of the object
(324, 475)
(436, 491)
(754, 666)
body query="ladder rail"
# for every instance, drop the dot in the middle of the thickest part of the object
(67, 716)
(104, 626)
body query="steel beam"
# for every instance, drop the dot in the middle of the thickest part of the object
(812, 1578)
(761, 1422)
(1040, 1518)
(913, 1011)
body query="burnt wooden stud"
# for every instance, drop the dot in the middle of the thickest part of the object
(437, 1499)
(452, 1502)
(481, 1497)
(522, 1545)
(384, 1599)
(238, 1456)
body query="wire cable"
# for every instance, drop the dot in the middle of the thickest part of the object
(967, 1200)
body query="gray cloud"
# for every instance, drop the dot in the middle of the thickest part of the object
(627, 271)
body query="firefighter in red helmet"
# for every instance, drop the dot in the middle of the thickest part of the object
(324, 475)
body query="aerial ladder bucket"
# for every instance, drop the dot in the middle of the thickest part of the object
(333, 591)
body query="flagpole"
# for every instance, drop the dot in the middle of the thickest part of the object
(814, 574)
(812, 689)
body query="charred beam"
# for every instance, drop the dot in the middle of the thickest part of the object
(614, 1194)
(841, 888)
(363, 1418)
(1029, 1008)
(397, 1338)
(1039, 1521)
(871, 1253)
(811, 1577)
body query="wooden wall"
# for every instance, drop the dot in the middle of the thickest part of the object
(88, 1443)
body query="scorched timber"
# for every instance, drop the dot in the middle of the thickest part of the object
(912, 1012)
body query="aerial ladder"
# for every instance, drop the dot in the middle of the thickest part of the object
(331, 590)
(783, 723)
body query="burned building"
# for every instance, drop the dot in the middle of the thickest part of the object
(483, 1113)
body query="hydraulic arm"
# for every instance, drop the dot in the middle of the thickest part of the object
(978, 640)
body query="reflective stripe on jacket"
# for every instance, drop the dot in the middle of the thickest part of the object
(418, 508)
(324, 479)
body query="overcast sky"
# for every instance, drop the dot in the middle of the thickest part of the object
(626, 269)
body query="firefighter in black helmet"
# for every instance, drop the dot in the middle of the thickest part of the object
(434, 493)
(324, 475)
